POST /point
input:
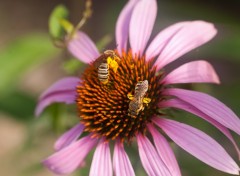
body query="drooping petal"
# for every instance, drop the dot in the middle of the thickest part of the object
(65, 84)
(63, 97)
(192, 72)
(176, 103)
(209, 105)
(63, 91)
(165, 152)
(101, 163)
(68, 159)
(141, 24)
(69, 137)
(186, 39)
(151, 161)
(83, 48)
(199, 145)
(122, 26)
(121, 163)
(158, 43)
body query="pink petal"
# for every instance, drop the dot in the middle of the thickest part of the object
(69, 137)
(192, 72)
(158, 43)
(122, 26)
(141, 24)
(210, 106)
(186, 39)
(83, 48)
(68, 159)
(121, 163)
(63, 91)
(101, 163)
(199, 145)
(176, 103)
(165, 152)
(151, 161)
(65, 84)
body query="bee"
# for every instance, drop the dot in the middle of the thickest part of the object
(141, 89)
(137, 100)
(135, 106)
(103, 74)
(104, 62)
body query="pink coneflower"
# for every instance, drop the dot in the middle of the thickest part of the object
(104, 107)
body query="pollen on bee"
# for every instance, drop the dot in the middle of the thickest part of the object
(105, 81)
(146, 100)
(130, 96)
(112, 63)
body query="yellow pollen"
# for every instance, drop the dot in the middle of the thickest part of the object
(112, 63)
(146, 100)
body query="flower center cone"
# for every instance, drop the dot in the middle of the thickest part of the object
(104, 107)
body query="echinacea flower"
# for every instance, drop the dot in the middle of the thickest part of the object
(104, 107)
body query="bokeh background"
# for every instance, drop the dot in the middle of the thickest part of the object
(29, 63)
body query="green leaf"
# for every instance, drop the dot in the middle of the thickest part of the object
(22, 54)
(66, 25)
(55, 27)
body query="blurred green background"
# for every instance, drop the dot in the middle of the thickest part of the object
(30, 64)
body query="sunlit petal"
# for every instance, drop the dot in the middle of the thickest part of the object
(141, 25)
(199, 145)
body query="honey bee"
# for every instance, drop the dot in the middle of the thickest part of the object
(137, 100)
(107, 60)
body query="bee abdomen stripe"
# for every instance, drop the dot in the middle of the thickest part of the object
(102, 71)
(102, 76)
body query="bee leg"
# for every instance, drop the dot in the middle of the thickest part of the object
(141, 108)
(130, 96)
(146, 100)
